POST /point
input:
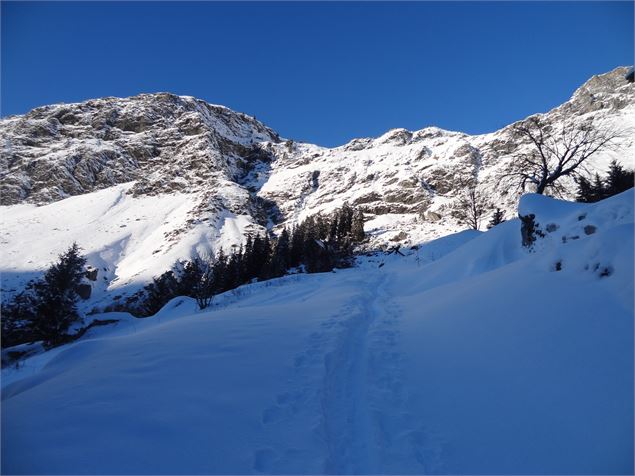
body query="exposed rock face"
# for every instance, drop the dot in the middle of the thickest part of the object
(419, 172)
(604, 91)
(84, 290)
(91, 273)
(163, 142)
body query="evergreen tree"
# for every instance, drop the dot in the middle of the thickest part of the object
(344, 222)
(309, 246)
(234, 270)
(357, 226)
(280, 260)
(220, 272)
(319, 243)
(56, 297)
(17, 320)
(246, 264)
(296, 250)
(598, 191)
(159, 292)
(190, 277)
(322, 227)
(265, 271)
(498, 217)
(259, 257)
(585, 190)
(333, 227)
(618, 179)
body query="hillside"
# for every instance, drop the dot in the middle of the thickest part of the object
(469, 355)
(145, 181)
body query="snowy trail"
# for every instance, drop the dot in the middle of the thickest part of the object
(349, 385)
(400, 441)
(345, 397)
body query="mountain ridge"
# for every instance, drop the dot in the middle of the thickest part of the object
(159, 178)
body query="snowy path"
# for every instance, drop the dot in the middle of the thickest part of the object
(348, 383)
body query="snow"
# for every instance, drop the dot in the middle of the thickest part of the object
(468, 355)
(128, 239)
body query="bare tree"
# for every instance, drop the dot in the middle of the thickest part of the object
(557, 151)
(470, 208)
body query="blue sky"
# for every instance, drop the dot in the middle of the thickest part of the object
(319, 72)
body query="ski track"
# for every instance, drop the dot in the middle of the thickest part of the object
(349, 384)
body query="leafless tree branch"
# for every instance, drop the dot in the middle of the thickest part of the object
(556, 153)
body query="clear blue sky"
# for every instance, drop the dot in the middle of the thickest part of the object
(319, 72)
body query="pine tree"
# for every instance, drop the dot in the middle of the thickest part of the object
(498, 217)
(265, 267)
(246, 264)
(280, 261)
(56, 297)
(598, 191)
(159, 292)
(190, 277)
(322, 227)
(17, 320)
(296, 250)
(309, 251)
(344, 222)
(618, 179)
(257, 263)
(357, 226)
(220, 272)
(234, 265)
(333, 227)
(585, 190)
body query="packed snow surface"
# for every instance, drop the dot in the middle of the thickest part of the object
(470, 355)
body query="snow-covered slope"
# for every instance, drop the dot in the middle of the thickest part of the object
(469, 355)
(127, 239)
(144, 181)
